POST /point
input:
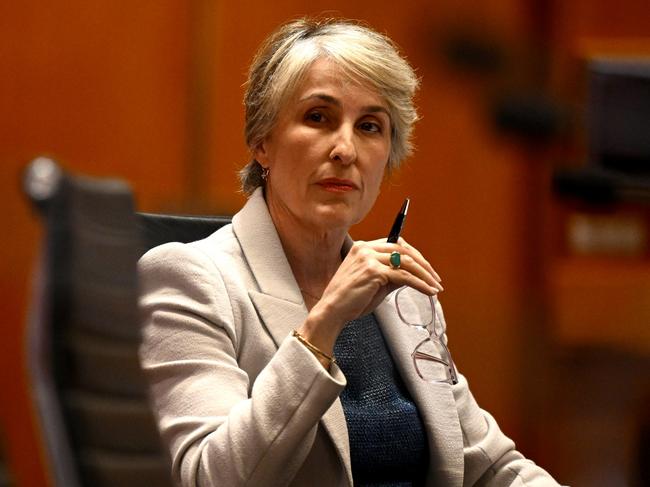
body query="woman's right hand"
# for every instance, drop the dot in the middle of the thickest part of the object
(361, 282)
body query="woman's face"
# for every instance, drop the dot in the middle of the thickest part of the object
(327, 152)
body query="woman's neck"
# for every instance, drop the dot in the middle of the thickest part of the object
(313, 254)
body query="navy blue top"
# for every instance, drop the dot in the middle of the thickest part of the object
(388, 444)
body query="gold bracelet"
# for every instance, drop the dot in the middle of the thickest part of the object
(313, 348)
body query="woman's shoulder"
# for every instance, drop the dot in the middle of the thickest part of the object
(213, 252)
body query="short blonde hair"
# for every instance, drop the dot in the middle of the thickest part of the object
(283, 59)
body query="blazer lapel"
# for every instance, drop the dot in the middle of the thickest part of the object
(278, 301)
(263, 250)
(435, 401)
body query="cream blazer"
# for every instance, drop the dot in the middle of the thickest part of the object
(239, 401)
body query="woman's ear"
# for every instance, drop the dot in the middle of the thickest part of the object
(260, 154)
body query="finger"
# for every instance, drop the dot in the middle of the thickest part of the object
(405, 249)
(401, 277)
(408, 265)
(424, 262)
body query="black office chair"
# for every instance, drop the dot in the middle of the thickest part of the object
(84, 333)
(156, 229)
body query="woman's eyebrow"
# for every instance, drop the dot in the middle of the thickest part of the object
(375, 109)
(322, 96)
(336, 102)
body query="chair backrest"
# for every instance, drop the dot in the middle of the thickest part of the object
(84, 332)
(157, 229)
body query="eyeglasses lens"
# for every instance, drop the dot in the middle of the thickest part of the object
(432, 362)
(414, 308)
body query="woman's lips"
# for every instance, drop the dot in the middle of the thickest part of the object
(336, 185)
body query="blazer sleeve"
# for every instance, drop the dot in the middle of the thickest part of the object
(222, 426)
(491, 459)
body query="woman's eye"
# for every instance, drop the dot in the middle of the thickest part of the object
(370, 127)
(315, 117)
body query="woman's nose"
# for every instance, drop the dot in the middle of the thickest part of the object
(344, 149)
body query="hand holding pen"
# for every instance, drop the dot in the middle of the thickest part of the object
(367, 274)
(372, 270)
(393, 237)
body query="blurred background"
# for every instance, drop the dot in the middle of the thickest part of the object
(545, 258)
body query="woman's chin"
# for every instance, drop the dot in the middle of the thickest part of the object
(336, 215)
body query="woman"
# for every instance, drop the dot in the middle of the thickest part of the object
(241, 329)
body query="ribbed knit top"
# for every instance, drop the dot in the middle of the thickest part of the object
(388, 444)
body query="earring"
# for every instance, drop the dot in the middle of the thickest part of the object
(265, 173)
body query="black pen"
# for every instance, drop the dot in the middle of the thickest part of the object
(396, 229)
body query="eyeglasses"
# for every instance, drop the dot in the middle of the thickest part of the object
(431, 357)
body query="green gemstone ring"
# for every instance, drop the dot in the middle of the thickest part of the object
(395, 260)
